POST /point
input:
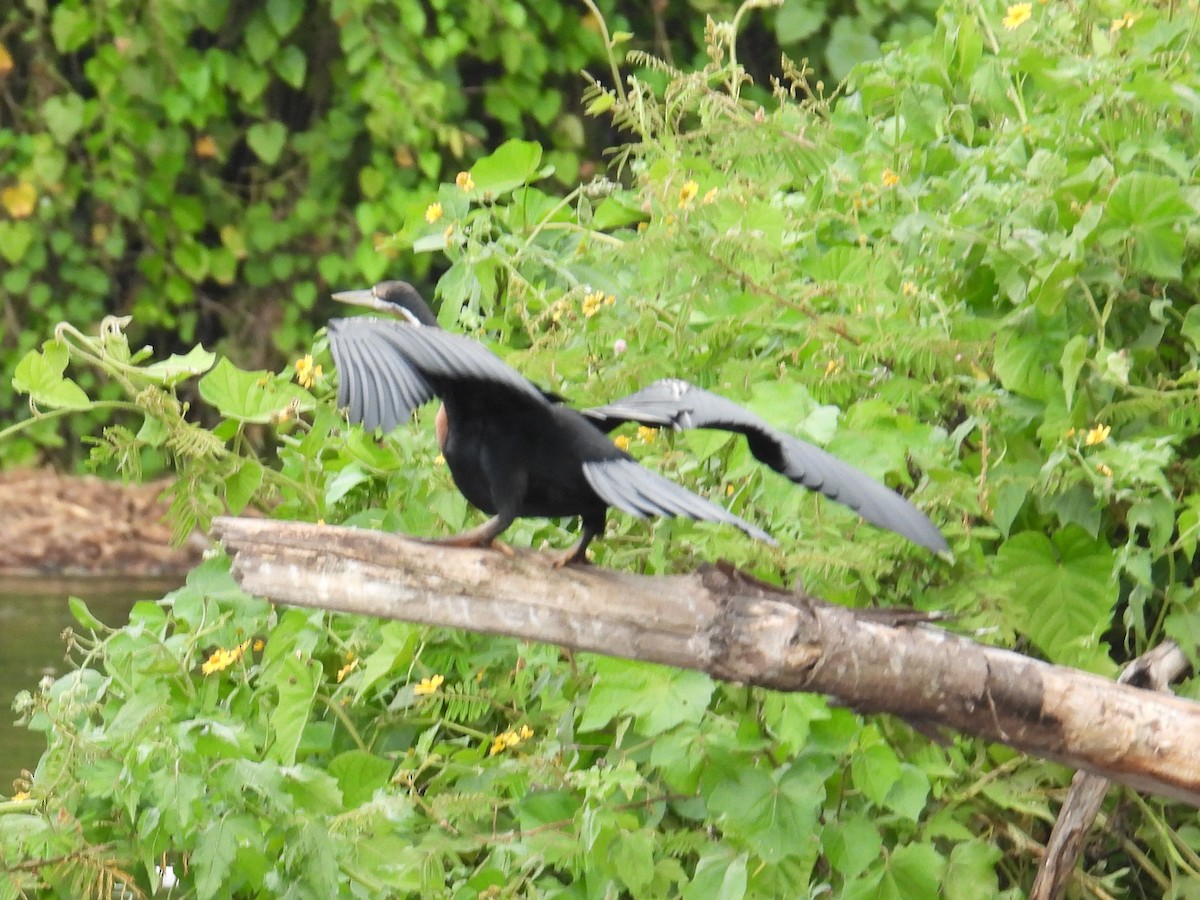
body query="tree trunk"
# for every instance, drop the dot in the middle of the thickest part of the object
(738, 629)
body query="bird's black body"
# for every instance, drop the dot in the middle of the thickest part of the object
(515, 450)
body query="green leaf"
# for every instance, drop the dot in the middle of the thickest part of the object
(658, 697)
(266, 139)
(258, 397)
(632, 856)
(776, 815)
(850, 42)
(241, 486)
(71, 26)
(63, 115)
(359, 775)
(292, 65)
(176, 368)
(296, 680)
(40, 375)
(1024, 363)
(874, 766)
(1062, 594)
(1191, 325)
(284, 15)
(344, 482)
(718, 877)
(851, 845)
(1151, 213)
(514, 164)
(617, 212)
(914, 870)
(972, 871)
(216, 849)
(1073, 357)
(15, 239)
(83, 615)
(601, 104)
(797, 20)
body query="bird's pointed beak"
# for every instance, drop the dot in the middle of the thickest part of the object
(364, 297)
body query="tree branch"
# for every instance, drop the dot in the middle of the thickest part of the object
(736, 629)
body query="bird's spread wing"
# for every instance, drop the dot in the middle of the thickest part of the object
(378, 386)
(638, 491)
(682, 405)
(387, 369)
(444, 358)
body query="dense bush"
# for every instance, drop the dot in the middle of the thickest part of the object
(215, 169)
(972, 273)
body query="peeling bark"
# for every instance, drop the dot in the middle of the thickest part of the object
(736, 629)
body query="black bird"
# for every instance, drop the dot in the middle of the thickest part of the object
(502, 420)
(513, 450)
(681, 405)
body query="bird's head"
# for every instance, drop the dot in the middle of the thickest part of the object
(395, 298)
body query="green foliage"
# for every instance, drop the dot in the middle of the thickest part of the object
(215, 168)
(972, 274)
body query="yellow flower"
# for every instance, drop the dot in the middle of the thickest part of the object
(347, 669)
(20, 796)
(258, 645)
(448, 234)
(908, 289)
(647, 434)
(610, 300)
(439, 460)
(833, 366)
(464, 181)
(306, 372)
(1097, 435)
(559, 309)
(509, 739)
(433, 212)
(1104, 470)
(591, 303)
(222, 659)
(622, 442)
(687, 193)
(709, 196)
(1124, 22)
(890, 178)
(19, 199)
(1018, 14)
(428, 686)
(205, 147)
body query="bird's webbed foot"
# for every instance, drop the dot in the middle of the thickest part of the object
(576, 556)
(483, 536)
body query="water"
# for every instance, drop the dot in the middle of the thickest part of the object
(33, 615)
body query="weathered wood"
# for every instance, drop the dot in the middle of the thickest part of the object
(736, 629)
(1153, 670)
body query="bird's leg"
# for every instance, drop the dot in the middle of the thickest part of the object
(577, 555)
(481, 536)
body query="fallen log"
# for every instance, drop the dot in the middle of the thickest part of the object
(736, 628)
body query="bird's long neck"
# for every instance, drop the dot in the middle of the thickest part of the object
(419, 309)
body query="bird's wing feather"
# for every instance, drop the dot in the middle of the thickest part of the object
(377, 385)
(682, 405)
(442, 357)
(387, 369)
(638, 491)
